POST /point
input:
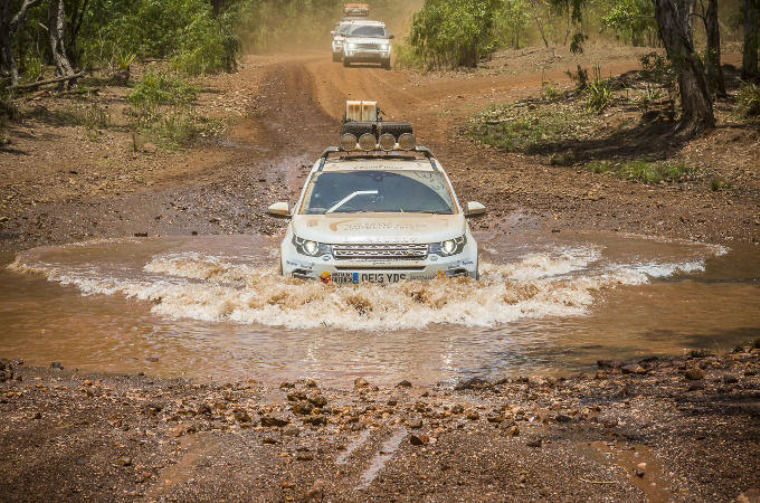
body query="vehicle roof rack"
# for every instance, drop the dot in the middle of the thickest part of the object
(378, 154)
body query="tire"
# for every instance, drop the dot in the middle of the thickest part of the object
(336, 57)
(346, 62)
(387, 64)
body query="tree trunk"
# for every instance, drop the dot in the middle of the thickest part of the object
(675, 32)
(712, 51)
(751, 38)
(8, 27)
(539, 23)
(56, 34)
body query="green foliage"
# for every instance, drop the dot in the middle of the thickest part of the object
(550, 92)
(632, 21)
(511, 23)
(748, 100)
(158, 89)
(452, 33)
(519, 128)
(599, 93)
(717, 184)
(644, 171)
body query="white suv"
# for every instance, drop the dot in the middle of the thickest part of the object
(339, 35)
(367, 42)
(378, 209)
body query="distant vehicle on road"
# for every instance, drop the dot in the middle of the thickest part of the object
(356, 10)
(367, 42)
(377, 209)
(338, 37)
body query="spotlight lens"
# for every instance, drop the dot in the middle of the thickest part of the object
(387, 142)
(407, 141)
(367, 142)
(348, 142)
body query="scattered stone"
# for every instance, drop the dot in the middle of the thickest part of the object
(291, 431)
(392, 402)
(419, 439)
(241, 416)
(610, 422)
(302, 408)
(536, 442)
(415, 424)
(304, 456)
(404, 384)
(609, 364)
(476, 384)
(273, 422)
(181, 429)
(632, 369)
(694, 374)
(513, 431)
(316, 420)
(56, 366)
(472, 415)
(152, 359)
(316, 493)
(125, 461)
(730, 379)
(751, 495)
(561, 418)
(360, 383)
(141, 234)
(317, 400)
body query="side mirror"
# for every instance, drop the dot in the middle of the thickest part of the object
(473, 209)
(280, 209)
(332, 33)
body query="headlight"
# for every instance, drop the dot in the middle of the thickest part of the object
(351, 46)
(310, 248)
(449, 247)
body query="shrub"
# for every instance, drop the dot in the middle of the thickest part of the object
(748, 100)
(452, 33)
(645, 171)
(159, 89)
(599, 93)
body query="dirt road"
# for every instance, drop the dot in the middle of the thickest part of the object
(59, 192)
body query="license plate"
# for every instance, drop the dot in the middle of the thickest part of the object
(354, 278)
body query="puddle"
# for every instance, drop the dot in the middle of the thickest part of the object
(215, 307)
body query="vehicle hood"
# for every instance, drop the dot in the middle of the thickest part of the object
(366, 40)
(341, 228)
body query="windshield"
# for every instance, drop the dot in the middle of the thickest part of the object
(369, 31)
(378, 191)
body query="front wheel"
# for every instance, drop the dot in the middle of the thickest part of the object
(346, 62)
(387, 64)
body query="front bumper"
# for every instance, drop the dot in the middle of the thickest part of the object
(356, 271)
(367, 55)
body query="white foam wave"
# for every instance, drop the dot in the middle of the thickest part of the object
(560, 282)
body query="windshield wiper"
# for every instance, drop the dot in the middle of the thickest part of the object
(351, 196)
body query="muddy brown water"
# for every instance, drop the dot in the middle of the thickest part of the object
(214, 307)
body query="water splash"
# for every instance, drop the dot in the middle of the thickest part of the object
(556, 282)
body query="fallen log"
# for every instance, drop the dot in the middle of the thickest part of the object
(34, 85)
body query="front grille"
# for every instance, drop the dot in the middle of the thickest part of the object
(372, 47)
(400, 252)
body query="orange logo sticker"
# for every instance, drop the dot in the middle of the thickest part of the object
(325, 277)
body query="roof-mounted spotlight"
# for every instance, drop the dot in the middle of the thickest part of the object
(407, 141)
(348, 142)
(367, 142)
